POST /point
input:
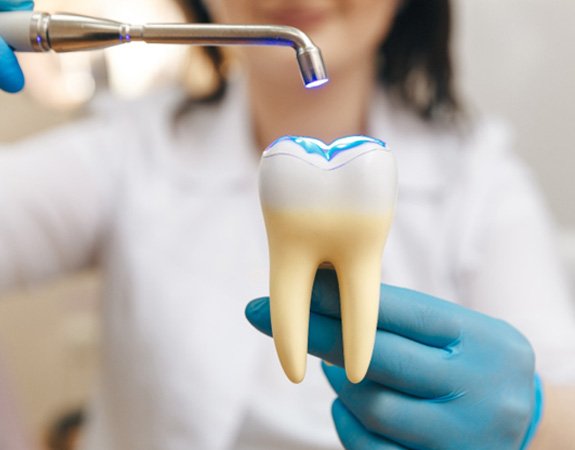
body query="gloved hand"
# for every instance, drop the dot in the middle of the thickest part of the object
(441, 376)
(11, 76)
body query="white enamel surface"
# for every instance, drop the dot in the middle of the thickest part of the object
(362, 179)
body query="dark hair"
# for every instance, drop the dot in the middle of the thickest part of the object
(60, 435)
(414, 61)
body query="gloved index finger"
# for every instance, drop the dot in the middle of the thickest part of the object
(16, 5)
(420, 317)
(411, 314)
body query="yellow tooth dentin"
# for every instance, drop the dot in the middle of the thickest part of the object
(299, 242)
(335, 208)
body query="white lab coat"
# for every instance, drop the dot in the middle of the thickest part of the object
(171, 212)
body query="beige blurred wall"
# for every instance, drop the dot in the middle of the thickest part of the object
(21, 116)
(49, 342)
(516, 60)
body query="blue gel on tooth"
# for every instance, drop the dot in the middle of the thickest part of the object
(329, 151)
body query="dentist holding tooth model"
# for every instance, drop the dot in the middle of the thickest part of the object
(475, 351)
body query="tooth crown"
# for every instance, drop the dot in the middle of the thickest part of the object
(355, 179)
(326, 204)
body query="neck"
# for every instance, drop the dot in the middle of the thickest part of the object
(287, 108)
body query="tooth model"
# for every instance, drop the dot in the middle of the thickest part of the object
(326, 204)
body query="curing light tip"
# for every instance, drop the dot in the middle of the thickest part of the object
(316, 83)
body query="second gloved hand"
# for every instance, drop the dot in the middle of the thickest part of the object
(11, 76)
(441, 376)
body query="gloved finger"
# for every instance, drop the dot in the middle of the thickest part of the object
(400, 418)
(16, 5)
(353, 435)
(398, 363)
(411, 314)
(11, 76)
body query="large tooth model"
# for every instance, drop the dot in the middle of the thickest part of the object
(329, 204)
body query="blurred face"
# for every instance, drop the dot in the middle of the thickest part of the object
(348, 32)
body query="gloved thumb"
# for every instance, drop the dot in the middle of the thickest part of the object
(16, 5)
(11, 76)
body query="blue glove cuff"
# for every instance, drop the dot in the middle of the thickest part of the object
(537, 413)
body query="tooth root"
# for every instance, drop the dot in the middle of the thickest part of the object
(292, 272)
(359, 297)
(298, 243)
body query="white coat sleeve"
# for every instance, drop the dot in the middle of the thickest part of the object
(514, 271)
(54, 200)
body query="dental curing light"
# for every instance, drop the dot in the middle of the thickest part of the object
(32, 31)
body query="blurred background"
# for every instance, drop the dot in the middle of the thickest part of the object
(515, 61)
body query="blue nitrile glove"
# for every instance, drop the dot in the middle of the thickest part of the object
(441, 377)
(11, 76)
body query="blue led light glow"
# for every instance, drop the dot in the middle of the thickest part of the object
(330, 151)
(316, 83)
